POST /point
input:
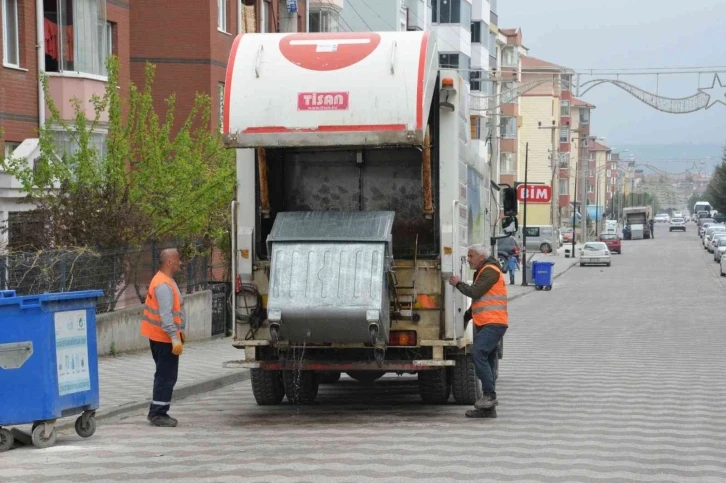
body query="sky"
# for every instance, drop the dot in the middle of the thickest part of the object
(615, 34)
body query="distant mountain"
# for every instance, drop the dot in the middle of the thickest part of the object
(675, 158)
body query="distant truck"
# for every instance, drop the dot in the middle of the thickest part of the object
(636, 220)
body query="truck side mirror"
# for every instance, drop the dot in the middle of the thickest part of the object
(510, 224)
(509, 201)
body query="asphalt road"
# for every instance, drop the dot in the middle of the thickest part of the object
(615, 375)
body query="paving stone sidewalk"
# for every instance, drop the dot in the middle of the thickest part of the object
(562, 264)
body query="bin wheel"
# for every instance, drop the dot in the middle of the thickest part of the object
(6, 440)
(86, 430)
(40, 440)
(538, 287)
(548, 287)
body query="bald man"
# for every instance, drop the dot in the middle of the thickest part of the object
(163, 323)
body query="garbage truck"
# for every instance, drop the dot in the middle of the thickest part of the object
(359, 189)
(636, 220)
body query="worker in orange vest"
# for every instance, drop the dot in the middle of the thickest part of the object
(163, 323)
(489, 314)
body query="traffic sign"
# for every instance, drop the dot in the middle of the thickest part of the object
(535, 193)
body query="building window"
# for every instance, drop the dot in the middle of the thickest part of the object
(584, 116)
(456, 61)
(220, 95)
(564, 134)
(324, 20)
(451, 11)
(476, 28)
(566, 82)
(586, 144)
(65, 143)
(609, 173)
(110, 30)
(475, 80)
(590, 188)
(509, 96)
(76, 33)
(508, 128)
(565, 108)
(510, 57)
(506, 163)
(564, 160)
(10, 146)
(11, 33)
(222, 15)
(564, 185)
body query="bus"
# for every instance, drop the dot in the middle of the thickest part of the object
(702, 206)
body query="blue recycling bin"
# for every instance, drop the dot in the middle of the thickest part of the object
(542, 275)
(48, 363)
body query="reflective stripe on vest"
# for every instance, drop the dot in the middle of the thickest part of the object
(151, 324)
(491, 308)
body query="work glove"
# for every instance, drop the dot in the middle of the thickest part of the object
(182, 337)
(176, 347)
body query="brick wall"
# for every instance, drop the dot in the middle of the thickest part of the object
(19, 88)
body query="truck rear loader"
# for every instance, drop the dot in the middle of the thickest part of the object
(636, 218)
(358, 192)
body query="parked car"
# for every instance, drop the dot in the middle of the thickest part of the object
(566, 235)
(722, 268)
(708, 234)
(506, 247)
(613, 242)
(677, 224)
(719, 249)
(662, 218)
(541, 238)
(714, 240)
(594, 253)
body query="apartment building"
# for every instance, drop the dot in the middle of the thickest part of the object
(512, 51)
(538, 126)
(604, 173)
(69, 41)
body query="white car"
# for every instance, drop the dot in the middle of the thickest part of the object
(662, 218)
(723, 267)
(719, 248)
(594, 253)
(708, 234)
(677, 214)
(677, 224)
(714, 240)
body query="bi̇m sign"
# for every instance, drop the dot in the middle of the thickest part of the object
(535, 193)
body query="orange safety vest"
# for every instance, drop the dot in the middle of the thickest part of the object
(151, 322)
(491, 308)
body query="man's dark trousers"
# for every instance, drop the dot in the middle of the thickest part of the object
(486, 339)
(167, 369)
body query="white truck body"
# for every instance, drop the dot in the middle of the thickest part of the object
(308, 113)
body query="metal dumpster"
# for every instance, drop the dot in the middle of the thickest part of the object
(48, 363)
(328, 276)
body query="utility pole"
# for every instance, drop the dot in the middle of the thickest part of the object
(555, 159)
(585, 183)
(524, 225)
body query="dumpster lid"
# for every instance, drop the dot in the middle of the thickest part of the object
(333, 226)
(36, 300)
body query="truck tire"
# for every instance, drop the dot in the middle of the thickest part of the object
(366, 377)
(464, 383)
(434, 386)
(301, 387)
(267, 387)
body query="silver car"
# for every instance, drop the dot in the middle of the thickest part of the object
(714, 240)
(719, 249)
(594, 253)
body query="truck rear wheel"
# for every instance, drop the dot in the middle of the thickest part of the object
(464, 383)
(301, 387)
(434, 386)
(267, 387)
(366, 377)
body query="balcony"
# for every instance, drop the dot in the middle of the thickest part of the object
(65, 86)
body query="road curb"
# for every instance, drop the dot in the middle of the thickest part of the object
(180, 392)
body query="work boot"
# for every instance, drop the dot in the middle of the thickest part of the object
(490, 413)
(486, 401)
(164, 421)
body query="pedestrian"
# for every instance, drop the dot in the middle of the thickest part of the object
(164, 323)
(488, 312)
(651, 222)
(512, 265)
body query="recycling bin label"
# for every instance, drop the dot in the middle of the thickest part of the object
(71, 349)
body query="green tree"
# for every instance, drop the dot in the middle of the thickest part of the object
(716, 189)
(147, 184)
